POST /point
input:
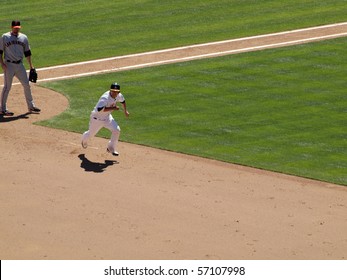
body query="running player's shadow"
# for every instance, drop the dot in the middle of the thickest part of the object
(97, 167)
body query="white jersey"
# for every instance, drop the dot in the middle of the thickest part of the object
(14, 46)
(106, 100)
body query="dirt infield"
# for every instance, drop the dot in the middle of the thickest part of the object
(59, 201)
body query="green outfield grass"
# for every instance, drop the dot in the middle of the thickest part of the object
(281, 109)
(69, 31)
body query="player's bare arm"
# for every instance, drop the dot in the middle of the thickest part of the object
(28, 57)
(3, 65)
(125, 108)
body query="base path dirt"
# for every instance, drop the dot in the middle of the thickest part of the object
(60, 201)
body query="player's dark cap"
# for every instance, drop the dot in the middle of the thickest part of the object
(115, 87)
(16, 24)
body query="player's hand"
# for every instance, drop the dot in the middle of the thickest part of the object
(3, 66)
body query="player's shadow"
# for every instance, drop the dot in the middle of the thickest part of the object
(97, 167)
(13, 118)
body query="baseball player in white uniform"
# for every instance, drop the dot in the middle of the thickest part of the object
(14, 46)
(101, 117)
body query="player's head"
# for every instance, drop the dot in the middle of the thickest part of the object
(15, 26)
(114, 89)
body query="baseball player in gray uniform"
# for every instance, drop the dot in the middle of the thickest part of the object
(101, 117)
(13, 47)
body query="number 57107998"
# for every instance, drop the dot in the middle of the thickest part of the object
(221, 270)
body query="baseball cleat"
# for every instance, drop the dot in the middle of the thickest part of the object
(7, 113)
(34, 110)
(84, 145)
(114, 153)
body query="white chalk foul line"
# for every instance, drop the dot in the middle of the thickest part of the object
(248, 49)
(195, 46)
(187, 58)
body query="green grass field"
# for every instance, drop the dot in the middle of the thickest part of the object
(281, 109)
(69, 31)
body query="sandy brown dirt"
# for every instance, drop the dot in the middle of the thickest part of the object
(59, 201)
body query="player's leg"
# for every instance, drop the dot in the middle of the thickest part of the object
(115, 130)
(21, 74)
(94, 126)
(8, 79)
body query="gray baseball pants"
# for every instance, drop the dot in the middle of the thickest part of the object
(19, 71)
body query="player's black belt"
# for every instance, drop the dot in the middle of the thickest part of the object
(15, 62)
(99, 119)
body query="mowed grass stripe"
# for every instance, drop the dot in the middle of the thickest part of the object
(64, 31)
(282, 109)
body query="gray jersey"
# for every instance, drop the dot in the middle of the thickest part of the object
(13, 46)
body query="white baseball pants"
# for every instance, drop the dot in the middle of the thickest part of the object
(95, 125)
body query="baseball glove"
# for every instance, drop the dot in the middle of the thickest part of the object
(33, 75)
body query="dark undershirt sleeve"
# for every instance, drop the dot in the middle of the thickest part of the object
(27, 53)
